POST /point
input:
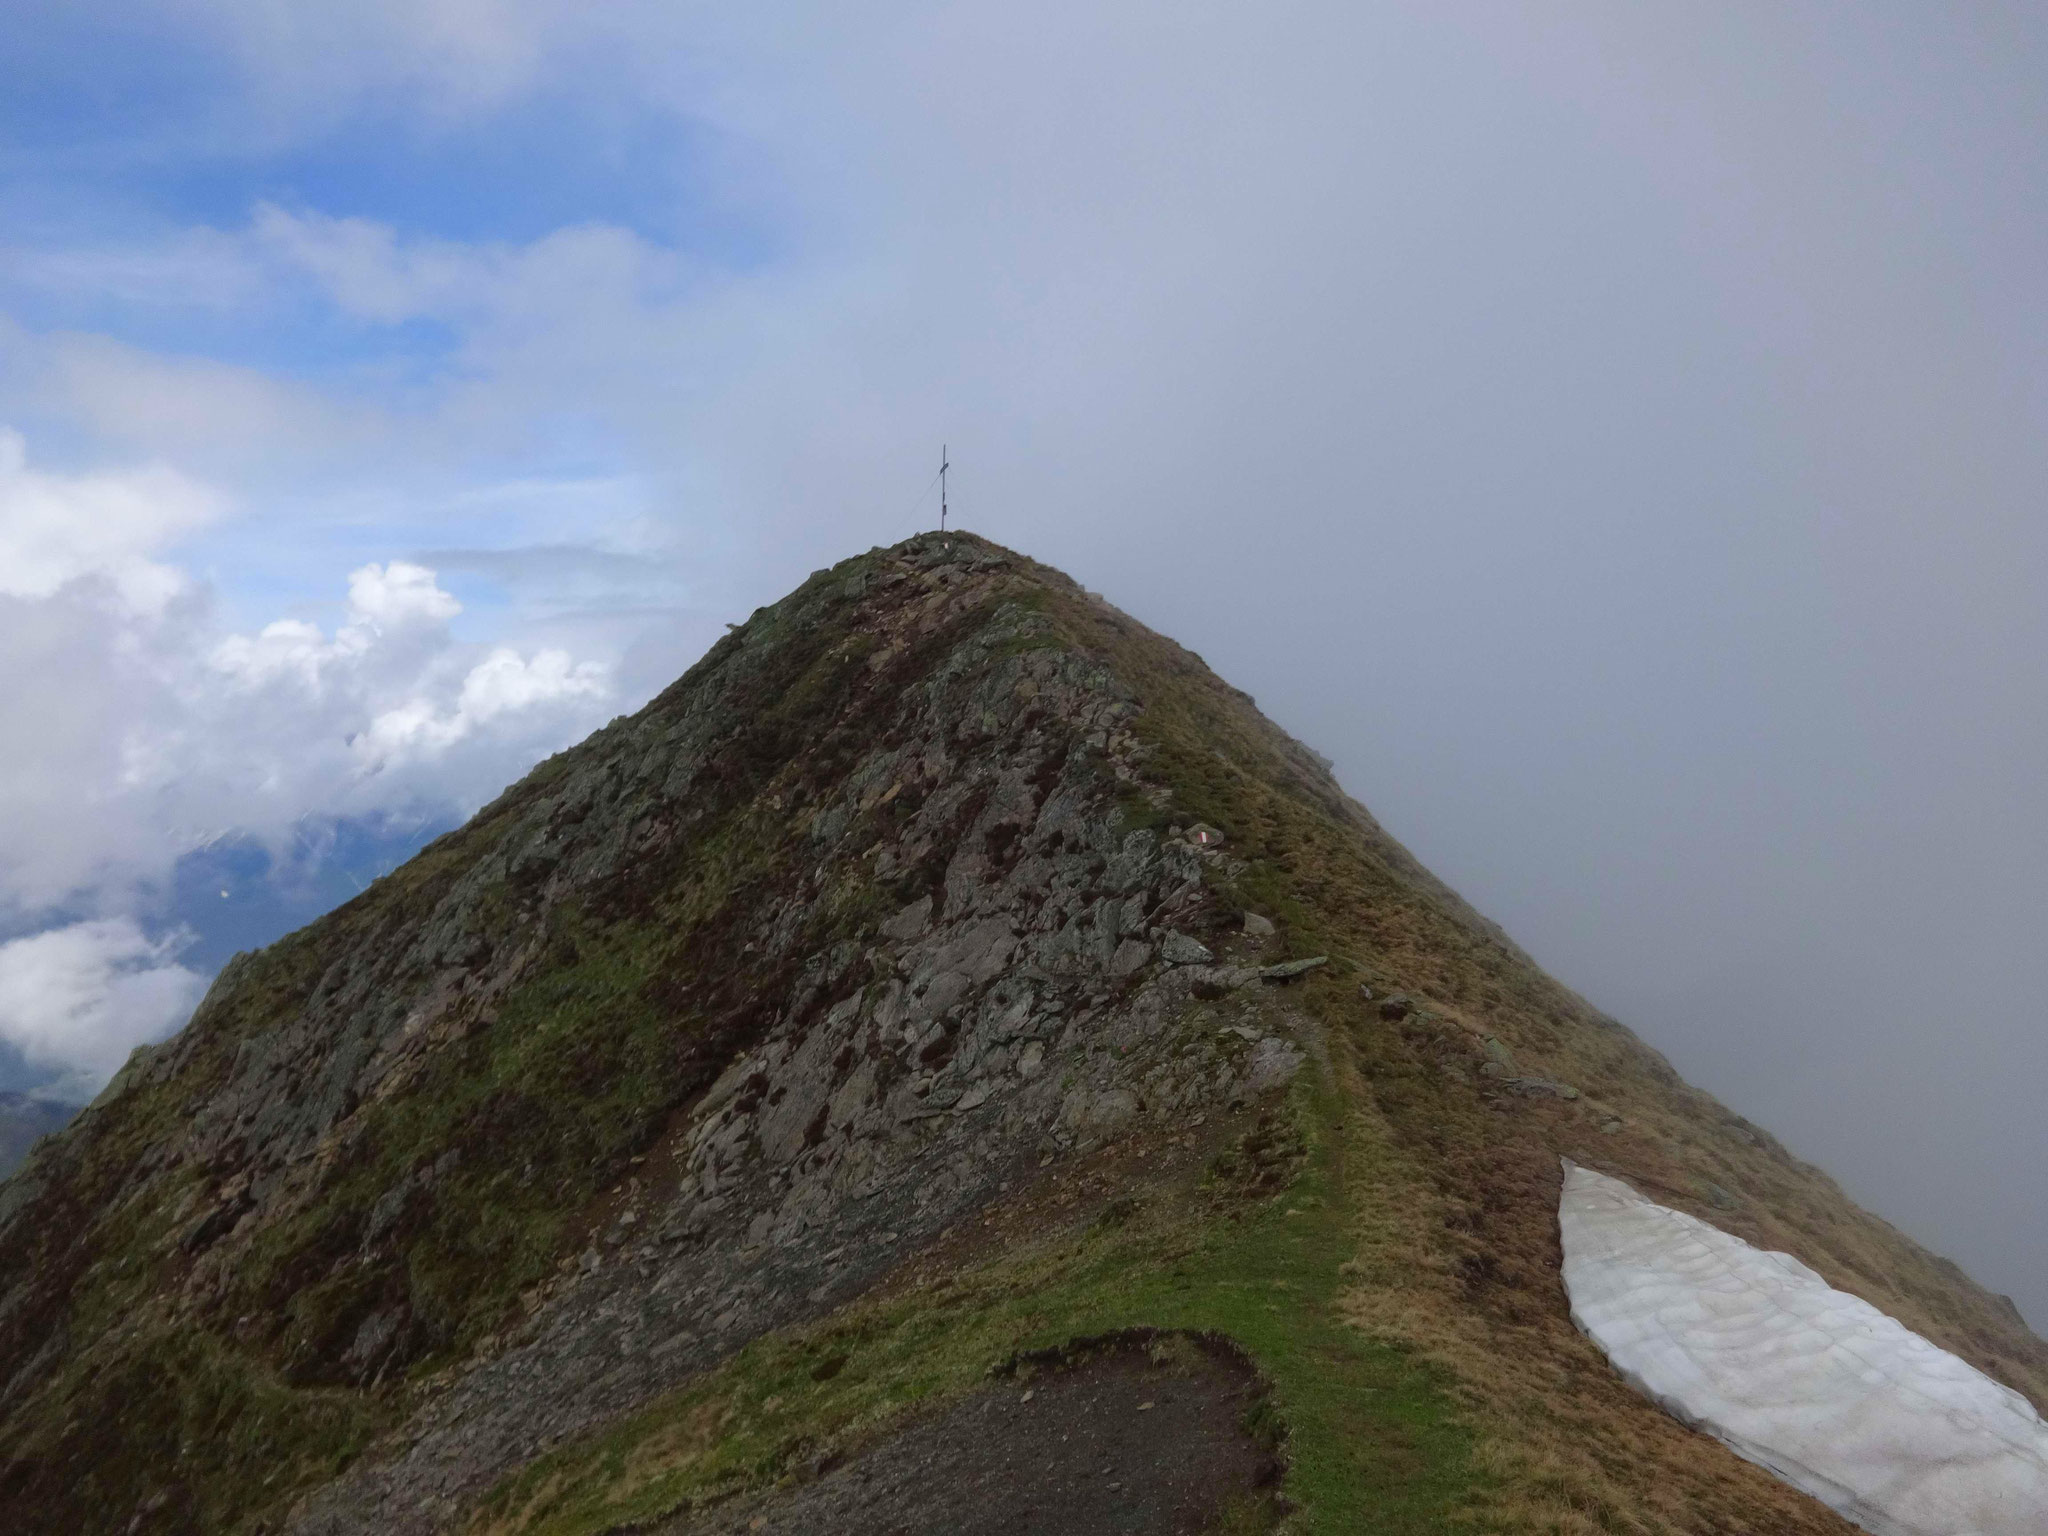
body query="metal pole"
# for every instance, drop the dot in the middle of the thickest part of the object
(943, 466)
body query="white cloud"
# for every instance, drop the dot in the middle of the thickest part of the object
(393, 678)
(194, 268)
(57, 529)
(83, 996)
(367, 271)
(224, 420)
(376, 712)
(154, 731)
(389, 597)
(503, 683)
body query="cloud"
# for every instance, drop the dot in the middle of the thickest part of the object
(156, 730)
(191, 268)
(387, 710)
(84, 995)
(467, 53)
(57, 529)
(503, 683)
(393, 665)
(396, 596)
(367, 271)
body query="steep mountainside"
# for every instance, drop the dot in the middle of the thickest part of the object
(949, 996)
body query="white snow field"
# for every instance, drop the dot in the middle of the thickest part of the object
(1813, 1384)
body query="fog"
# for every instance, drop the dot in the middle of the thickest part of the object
(1613, 434)
(1617, 441)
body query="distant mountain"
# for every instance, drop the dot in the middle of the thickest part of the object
(947, 1064)
(22, 1120)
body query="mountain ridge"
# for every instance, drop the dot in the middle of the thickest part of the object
(879, 980)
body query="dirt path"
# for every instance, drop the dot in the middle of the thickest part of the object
(1131, 1436)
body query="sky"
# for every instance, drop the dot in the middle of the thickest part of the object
(1612, 433)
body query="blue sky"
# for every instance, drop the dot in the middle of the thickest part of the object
(1610, 433)
(137, 118)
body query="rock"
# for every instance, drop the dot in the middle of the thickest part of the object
(1182, 949)
(911, 922)
(1098, 1111)
(1500, 1061)
(1609, 1127)
(1396, 1007)
(1365, 991)
(973, 1098)
(1258, 927)
(1210, 982)
(372, 1337)
(1131, 957)
(1542, 1088)
(1719, 1197)
(1271, 1063)
(1202, 835)
(1032, 1061)
(1288, 970)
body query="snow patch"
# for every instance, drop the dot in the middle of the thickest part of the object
(1814, 1385)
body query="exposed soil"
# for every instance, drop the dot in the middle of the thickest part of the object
(1136, 1434)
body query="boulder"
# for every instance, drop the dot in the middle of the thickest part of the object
(1269, 1064)
(1097, 1111)
(1288, 970)
(911, 922)
(1183, 949)
(1542, 1088)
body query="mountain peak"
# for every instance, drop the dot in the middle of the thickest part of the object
(948, 984)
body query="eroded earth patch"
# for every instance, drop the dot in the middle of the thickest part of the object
(1136, 1434)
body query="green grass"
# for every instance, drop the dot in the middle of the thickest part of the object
(182, 1416)
(570, 1072)
(1372, 1440)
